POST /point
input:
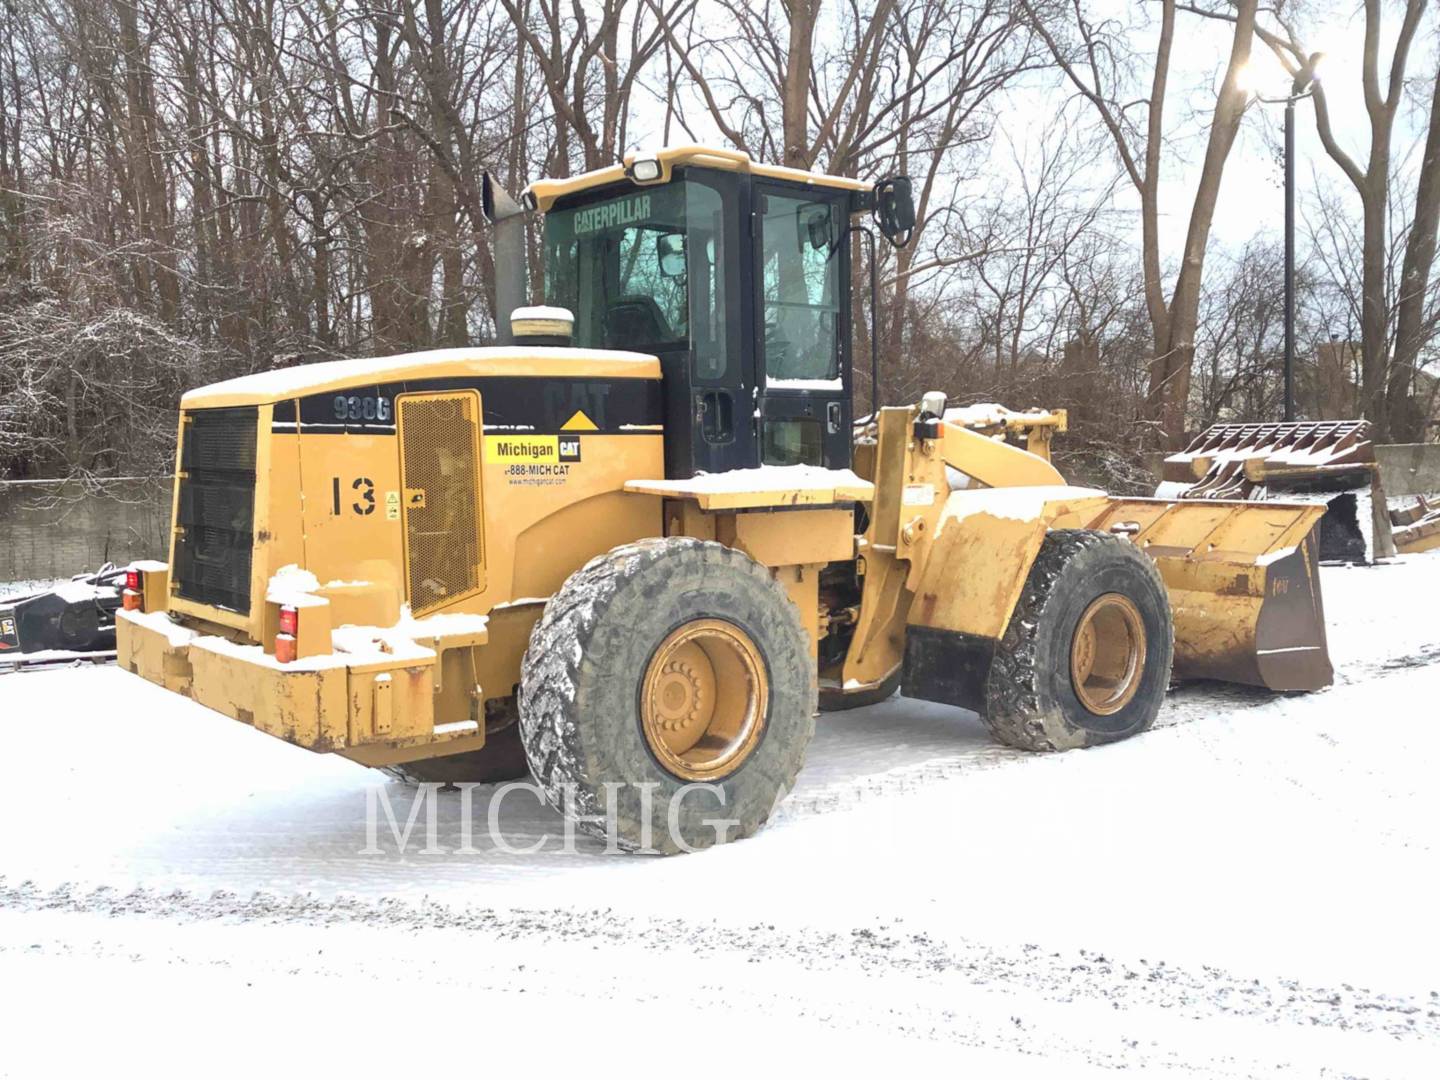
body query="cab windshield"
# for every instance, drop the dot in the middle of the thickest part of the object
(643, 271)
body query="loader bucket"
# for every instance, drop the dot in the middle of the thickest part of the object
(1243, 583)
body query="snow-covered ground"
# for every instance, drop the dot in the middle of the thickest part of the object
(10, 590)
(1247, 890)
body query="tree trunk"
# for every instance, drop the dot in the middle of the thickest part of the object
(1169, 391)
(1406, 420)
(1373, 316)
(795, 91)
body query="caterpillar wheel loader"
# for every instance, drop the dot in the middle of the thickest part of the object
(633, 545)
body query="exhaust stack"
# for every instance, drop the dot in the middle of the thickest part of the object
(507, 220)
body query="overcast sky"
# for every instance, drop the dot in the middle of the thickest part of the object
(1251, 198)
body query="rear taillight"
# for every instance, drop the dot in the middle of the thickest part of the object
(285, 646)
(132, 597)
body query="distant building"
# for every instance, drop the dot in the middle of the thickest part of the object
(1333, 392)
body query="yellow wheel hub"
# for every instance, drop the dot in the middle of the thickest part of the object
(704, 699)
(1107, 654)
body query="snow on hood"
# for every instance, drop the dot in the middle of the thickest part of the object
(288, 382)
(1016, 503)
(765, 478)
(295, 587)
(988, 414)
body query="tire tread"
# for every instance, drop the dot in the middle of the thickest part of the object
(1015, 712)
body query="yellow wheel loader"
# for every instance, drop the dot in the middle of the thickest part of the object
(632, 546)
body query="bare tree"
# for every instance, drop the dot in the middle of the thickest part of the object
(1389, 361)
(1099, 64)
(589, 60)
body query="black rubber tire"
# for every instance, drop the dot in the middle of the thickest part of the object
(503, 758)
(580, 685)
(839, 701)
(1030, 700)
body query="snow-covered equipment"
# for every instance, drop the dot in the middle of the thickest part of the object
(72, 617)
(636, 546)
(1417, 526)
(1329, 463)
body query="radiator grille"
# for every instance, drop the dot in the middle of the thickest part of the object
(441, 477)
(215, 517)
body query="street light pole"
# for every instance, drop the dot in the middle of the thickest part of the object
(1302, 85)
(1289, 259)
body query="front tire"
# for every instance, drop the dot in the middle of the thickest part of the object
(659, 665)
(1086, 657)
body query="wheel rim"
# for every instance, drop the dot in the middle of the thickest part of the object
(704, 699)
(1107, 654)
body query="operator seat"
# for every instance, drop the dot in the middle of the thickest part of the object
(634, 322)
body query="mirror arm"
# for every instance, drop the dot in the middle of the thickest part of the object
(874, 329)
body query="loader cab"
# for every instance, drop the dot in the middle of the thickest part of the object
(740, 284)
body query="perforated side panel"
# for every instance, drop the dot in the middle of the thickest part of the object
(440, 471)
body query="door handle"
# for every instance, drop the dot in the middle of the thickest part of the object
(834, 417)
(714, 414)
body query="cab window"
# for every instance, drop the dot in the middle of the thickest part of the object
(800, 287)
(644, 271)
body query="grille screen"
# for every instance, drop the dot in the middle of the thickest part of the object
(215, 517)
(441, 477)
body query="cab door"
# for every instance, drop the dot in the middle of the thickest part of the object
(711, 384)
(802, 325)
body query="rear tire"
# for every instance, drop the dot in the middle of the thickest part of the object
(1086, 657)
(644, 647)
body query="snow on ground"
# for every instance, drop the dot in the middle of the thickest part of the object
(1248, 889)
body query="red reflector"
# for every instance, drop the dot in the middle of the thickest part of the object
(289, 621)
(132, 579)
(284, 648)
(130, 600)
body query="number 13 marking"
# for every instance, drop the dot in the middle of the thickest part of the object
(366, 488)
(364, 485)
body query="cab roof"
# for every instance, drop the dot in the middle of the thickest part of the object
(545, 192)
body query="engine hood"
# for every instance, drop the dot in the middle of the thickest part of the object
(269, 387)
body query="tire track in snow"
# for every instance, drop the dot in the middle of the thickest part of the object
(1185, 704)
(1069, 976)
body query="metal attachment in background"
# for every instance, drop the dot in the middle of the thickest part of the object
(1314, 461)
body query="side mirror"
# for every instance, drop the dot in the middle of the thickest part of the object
(670, 251)
(895, 209)
(815, 223)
